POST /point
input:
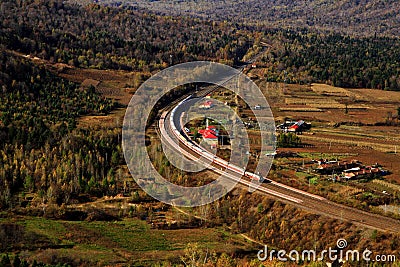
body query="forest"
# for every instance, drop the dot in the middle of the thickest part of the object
(104, 37)
(356, 18)
(343, 61)
(40, 149)
(95, 36)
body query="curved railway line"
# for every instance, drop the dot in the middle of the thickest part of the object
(168, 126)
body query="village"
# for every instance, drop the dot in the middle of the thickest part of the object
(345, 171)
(213, 135)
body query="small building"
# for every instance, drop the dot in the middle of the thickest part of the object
(361, 173)
(329, 167)
(294, 126)
(206, 105)
(210, 135)
(297, 126)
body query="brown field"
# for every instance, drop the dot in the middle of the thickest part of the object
(378, 96)
(117, 85)
(359, 132)
(306, 101)
(328, 89)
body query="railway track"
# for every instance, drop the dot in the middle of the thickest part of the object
(304, 200)
(190, 154)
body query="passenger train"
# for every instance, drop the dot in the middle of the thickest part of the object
(214, 159)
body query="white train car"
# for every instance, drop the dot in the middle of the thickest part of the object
(206, 154)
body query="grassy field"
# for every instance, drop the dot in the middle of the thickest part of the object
(119, 242)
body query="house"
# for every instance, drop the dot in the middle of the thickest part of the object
(210, 135)
(297, 126)
(360, 173)
(210, 132)
(333, 166)
(206, 105)
(294, 126)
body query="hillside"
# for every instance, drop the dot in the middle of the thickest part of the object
(362, 17)
(100, 37)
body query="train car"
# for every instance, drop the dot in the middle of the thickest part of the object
(199, 150)
(171, 122)
(254, 176)
(182, 138)
(235, 169)
(221, 161)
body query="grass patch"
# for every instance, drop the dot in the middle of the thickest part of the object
(313, 181)
(51, 229)
(120, 242)
(330, 156)
(133, 235)
(305, 176)
(209, 238)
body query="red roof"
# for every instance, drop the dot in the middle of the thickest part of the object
(207, 104)
(209, 133)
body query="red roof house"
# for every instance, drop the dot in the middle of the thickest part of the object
(210, 133)
(206, 105)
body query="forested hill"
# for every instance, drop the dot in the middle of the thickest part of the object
(303, 57)
(39, 143)
(102, 37)
(361, 17)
